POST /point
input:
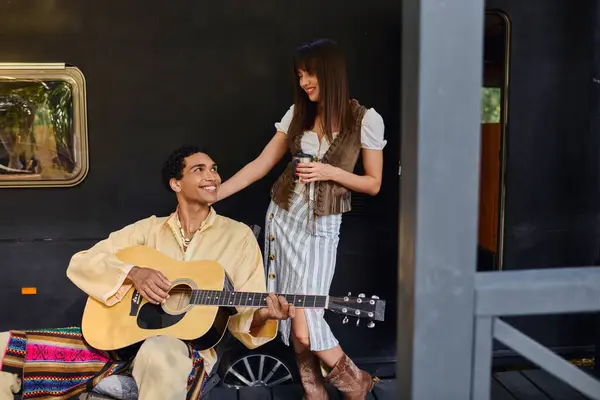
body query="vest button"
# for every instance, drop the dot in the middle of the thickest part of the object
(271, 238)
(271, 276)
(271, 257)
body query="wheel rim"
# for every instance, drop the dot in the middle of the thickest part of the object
(257, 370)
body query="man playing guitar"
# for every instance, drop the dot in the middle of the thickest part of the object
(59, 364)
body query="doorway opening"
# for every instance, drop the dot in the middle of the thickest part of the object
(494, 111)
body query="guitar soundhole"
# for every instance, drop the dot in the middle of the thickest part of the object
(152, 316)
(179, 298)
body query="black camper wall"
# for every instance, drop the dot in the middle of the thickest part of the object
(219, 75)
(216, 74)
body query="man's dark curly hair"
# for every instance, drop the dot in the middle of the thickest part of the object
(173, 166)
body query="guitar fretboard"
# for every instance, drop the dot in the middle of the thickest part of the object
(250, 299)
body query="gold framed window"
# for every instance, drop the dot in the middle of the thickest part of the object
(43, 126)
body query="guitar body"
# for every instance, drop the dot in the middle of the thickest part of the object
(133, 319)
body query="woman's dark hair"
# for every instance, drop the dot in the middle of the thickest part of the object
(174, 164)
(323, 58)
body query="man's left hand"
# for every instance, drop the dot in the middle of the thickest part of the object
(277, 308)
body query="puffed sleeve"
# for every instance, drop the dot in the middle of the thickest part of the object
(284, 124)
(99, 272)
(250, 277)
(372, 131)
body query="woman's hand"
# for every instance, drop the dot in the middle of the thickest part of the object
(316, 171)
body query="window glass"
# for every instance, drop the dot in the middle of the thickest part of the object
(490, 105)
(43, 130)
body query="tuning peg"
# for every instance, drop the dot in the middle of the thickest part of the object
(371, 324)
(345, 320)
(357, 321)
(349, 294)
(375, 297)
(362, 295)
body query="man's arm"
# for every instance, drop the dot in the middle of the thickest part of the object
(98, 271)
(253, 326)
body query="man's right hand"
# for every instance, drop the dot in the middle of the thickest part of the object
(152, 284)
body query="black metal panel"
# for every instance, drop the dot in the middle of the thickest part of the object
(551, 178)
(40, 264)
(215, 74)
(552, 203)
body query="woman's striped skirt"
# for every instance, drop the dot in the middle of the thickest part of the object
(300, 255)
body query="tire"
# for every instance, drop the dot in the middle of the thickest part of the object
(240, 367)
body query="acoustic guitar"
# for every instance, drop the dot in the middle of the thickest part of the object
(202, 299)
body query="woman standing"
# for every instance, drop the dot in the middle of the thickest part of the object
(304, 216)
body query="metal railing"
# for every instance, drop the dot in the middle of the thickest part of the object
(530, 292)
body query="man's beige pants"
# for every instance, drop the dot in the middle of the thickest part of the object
(160, 369)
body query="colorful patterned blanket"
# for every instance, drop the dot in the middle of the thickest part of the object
(59, 364)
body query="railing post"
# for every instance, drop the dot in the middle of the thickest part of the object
(548, 360)
(482, 358)
(442, 59)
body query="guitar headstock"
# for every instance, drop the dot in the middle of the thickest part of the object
(361, 307)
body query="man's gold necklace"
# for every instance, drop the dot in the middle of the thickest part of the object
(186, 241)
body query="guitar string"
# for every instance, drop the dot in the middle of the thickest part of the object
(318, 301)
(239, 294)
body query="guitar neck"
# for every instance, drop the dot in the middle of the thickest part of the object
(251, 299)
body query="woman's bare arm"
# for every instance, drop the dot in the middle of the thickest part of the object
(257, 168)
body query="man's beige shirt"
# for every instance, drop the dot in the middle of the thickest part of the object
(100, 274)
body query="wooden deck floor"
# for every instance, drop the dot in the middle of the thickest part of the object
(512, 385)
(531, 384)
(384, 390)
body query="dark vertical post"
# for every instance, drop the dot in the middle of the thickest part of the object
(442, 58)
(595, 127)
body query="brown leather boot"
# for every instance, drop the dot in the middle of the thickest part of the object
(311, 377)
(353, 382)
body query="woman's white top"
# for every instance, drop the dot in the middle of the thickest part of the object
(371, 137)
(371, 134)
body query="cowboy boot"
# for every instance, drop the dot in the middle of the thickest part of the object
(311, 376)
(353, 382)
